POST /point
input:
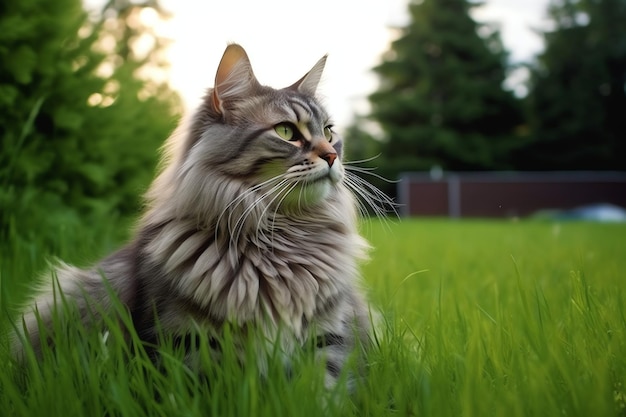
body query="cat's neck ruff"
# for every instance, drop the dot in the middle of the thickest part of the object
(281, 272)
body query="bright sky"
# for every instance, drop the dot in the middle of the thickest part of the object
(284, 38)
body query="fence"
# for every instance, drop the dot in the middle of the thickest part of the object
(506, 194)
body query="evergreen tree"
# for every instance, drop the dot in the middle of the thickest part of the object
(577, 100)
(79, 127)
(441, 101)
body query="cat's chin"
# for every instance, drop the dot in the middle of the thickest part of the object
(309, 194)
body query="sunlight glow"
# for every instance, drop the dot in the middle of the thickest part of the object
(355, 34)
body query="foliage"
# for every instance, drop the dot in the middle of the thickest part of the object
(79, 126)
(478, 318)
(441, 100)
(577, 98)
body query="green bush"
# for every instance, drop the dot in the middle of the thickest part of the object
(79, 130)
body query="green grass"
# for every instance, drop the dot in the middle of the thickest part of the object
(479, 318)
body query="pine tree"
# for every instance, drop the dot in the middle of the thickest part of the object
(577, 100)
(441, 101)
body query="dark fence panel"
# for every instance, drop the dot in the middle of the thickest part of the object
(507, 194)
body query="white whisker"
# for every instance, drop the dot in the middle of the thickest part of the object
(238, 200)
(361, 161)
(380, 203)
(240, 223)
(369, 171)
(287, 190)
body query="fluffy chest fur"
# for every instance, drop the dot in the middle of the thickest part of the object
(285, 271)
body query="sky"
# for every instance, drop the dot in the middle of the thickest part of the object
(285, 38)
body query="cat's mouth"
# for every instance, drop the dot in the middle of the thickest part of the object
(317, 176)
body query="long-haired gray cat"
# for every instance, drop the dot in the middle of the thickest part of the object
(250, 223)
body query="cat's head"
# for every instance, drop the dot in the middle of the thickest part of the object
(280, 140)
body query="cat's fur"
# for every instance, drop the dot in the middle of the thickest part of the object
(241, 227)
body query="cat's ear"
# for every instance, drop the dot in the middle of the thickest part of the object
(234, 77)
(308, 84)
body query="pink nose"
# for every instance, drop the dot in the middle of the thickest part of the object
(329, 157)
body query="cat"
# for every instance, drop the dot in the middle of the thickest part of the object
(252, 222)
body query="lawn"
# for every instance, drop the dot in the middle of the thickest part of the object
(478, 318)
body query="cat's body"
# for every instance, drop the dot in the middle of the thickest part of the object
(250, 223)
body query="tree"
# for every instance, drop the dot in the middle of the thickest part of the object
(577, 99)
(79, 126)
(441, 100)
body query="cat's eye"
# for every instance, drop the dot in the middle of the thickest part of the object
(285, 131)
(328, 133)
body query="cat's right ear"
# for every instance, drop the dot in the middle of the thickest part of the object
(308, 84)
(234, 78)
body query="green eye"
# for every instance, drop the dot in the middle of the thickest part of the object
(328, 133)
(285, 131)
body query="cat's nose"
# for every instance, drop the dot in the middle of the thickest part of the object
(330, 158)
(326, 151)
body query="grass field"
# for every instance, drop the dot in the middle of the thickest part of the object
(479, 318)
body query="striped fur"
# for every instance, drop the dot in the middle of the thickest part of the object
(242, 227)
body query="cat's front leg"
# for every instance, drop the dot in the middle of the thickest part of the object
(333, 350)
(344, 345)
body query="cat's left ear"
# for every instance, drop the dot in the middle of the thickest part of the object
(308, 84)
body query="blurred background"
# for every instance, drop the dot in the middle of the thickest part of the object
(495, 108)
